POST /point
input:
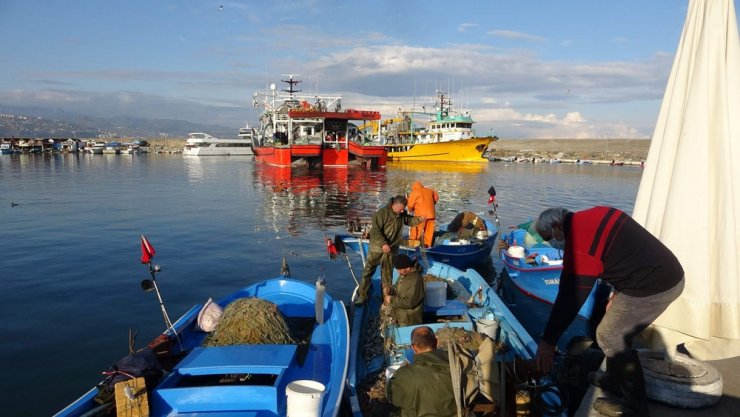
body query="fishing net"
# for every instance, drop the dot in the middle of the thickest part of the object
(250, 321)
(467, 339)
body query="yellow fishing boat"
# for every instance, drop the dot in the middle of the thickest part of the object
(447, 137)
(461, 150)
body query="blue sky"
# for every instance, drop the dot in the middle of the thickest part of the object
(525, 69)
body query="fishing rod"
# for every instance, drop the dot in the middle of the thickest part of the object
(147, 254)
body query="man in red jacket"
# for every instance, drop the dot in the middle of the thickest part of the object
(603, 242)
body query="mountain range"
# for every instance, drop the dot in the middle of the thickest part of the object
(39, 122)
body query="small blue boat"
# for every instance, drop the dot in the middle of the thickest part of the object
(253, 380)
(531, 281)
(458, 253)
(468, 303)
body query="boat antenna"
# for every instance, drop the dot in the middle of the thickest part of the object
(291, 84)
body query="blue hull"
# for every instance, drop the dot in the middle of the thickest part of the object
(458, 256)
(325, 361)
(512, 333)
(530, 289)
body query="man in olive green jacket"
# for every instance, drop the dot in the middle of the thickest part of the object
(385, 237)
(407, 297)
(423, 389)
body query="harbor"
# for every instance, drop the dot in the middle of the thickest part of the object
(91, 258)
(524, 239)
(629, 151)
(285, 214)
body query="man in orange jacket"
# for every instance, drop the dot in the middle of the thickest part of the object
(421, 203)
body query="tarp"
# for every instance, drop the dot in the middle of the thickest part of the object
(689, 195)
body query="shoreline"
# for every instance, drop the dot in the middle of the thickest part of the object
(629, 151)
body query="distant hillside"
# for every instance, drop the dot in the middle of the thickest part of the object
(58, 123)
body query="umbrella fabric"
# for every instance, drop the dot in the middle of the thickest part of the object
(689, 195)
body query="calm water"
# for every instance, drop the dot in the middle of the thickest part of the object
(69, 251)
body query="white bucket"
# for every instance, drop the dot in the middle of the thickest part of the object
(304, 398)
(516, 251)
(436, 293)
(487, 327)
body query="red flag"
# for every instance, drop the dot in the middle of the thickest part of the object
(147, 250)
(331, 248)
(491, 199)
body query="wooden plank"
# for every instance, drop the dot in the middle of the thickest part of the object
(131, 398)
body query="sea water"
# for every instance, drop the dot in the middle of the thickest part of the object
(71, 225)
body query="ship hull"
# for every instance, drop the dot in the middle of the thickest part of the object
(463, 150)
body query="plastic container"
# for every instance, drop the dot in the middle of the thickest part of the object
(436, 293)
(488, 327)
(516, 251)
(304, 398)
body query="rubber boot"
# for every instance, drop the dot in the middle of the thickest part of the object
(604, 380)
(632, 386)
(607, 380)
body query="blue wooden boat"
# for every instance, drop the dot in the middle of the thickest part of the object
(366, 363)
(530, 280)
(459, 253)
(196, 384)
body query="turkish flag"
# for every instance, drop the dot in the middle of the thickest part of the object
(147, 250)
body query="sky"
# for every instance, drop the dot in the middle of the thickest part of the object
(523, 68)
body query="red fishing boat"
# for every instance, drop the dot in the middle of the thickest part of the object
(313, 129)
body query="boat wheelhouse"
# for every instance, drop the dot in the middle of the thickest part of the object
(447, 137)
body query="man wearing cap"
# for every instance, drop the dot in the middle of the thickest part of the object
(424, 388)
(407, 297)
(385, 236)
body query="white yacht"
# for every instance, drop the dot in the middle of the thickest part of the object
(95, 147)
(204, 144)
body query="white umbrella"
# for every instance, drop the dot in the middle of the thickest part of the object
(689, 196)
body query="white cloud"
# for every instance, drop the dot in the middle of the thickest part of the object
(515, 92)
(463, 27)
(513, 34)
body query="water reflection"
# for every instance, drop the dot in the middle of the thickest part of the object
(300, 198)
(441, 167)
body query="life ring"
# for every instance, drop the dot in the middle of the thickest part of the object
(686, 383)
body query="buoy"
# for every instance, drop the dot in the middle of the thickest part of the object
(685, 382)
